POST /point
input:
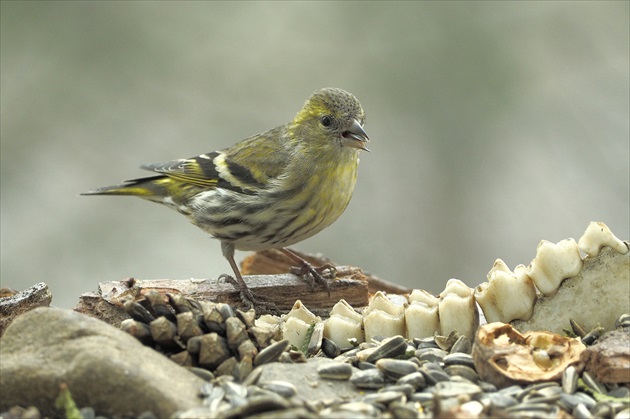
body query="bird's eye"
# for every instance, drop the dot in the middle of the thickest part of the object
(326, 121)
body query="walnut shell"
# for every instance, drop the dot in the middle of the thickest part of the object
(503, 356)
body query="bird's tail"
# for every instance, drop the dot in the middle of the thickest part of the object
(148, 188)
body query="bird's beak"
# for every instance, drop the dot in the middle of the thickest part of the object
(355, 136)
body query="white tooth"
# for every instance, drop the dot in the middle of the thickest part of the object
(343, 309)
(343, 324)
(296, 324)
(295, 330)
(341, 329)
(421, 316)
(507, 295)
(383, 318)
(423, 296)
(268, 321)
(382, 303)
(553, 263)
(299, 311)
(379, 323)
(598, 235)
(271, 324)
(457, 310)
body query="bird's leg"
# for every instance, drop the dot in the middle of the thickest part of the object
(260, 303)
(306, 270)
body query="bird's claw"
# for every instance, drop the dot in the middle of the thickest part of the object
(260, 303)
(318, 274)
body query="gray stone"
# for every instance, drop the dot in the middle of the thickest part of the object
(103, 367)
(12, 306)
(309, 384)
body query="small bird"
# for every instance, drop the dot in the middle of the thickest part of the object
(271, 190)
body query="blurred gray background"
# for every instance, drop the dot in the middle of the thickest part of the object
(493, 125)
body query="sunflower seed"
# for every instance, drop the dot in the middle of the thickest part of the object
(462, 371)
(428, 342)
(581, 412)
(356, 409)
(446, 342)
(415, 379)
(569, 380)
(602, 410)
(623, 414)
(434, 376)
(577, 328)
(139, 330)
(330, 348)
(431, 355)
(201, 373)
(396, 368)
(455, 389)
(335, 371)
(385, 397)
(390, 348)
(159, 306)
(283, 388)
(406, 389)
(459, 359)
(403, 409)
(592, 336)
(592, 383)
(138, 312)
(461, 345)
(373, 378)
(271, 353)
(620, 393)
(365, 365)
(623, 321)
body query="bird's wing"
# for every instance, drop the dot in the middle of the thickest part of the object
(198, 170)
(246, 166)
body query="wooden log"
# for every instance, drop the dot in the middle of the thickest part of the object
(284, 289)
(267, 274)
(275, 262)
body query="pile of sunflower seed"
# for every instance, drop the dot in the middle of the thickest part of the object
(414, 379)
(422, 379)
(394, 377)
(211, 339)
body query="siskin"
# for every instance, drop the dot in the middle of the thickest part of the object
(270, 190)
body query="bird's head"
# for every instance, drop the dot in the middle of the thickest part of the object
(331, 119)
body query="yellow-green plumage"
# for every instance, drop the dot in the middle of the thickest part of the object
(270, 190)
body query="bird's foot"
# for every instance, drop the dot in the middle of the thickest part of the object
(261, 303)
(312, 274)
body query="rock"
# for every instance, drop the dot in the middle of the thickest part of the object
(609, 359)
(14, 304)
(103, 367)
(309, 384)
(93, 305)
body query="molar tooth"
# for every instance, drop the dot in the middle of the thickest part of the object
(508, 295)
(268, 322)
(342, 308)
(598, 235)
(421, 316)
(297, 323)
(553, 263)
(457, 309)
(343, 324)
(383, 318)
